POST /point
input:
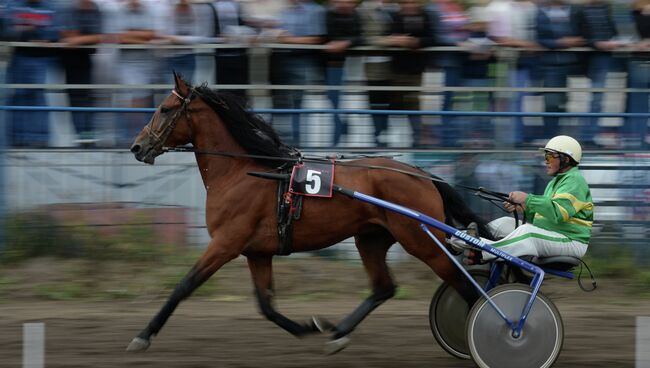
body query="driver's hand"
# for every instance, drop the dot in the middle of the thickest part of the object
(511, 207)
(518, 197)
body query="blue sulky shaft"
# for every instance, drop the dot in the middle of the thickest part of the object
(425, 220)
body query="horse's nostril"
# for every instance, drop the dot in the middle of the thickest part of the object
(136, 148)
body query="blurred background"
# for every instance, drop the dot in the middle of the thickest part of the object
(466, 89)
(73, 70)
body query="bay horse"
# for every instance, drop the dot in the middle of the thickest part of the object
(241, 209)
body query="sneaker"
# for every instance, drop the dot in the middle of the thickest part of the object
(472, 229)
(459, 245)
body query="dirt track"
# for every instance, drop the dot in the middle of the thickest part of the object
(599, 332)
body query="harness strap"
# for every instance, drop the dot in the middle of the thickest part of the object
(300, 158)
(289, 209)
(489, 195)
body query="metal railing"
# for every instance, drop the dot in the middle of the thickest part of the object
(110, 175)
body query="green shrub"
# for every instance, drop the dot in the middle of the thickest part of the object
(32, 234)
(36, 234)
(643, 281)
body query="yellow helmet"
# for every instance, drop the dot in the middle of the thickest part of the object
(567, 145)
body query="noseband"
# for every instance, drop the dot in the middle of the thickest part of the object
(160, 138)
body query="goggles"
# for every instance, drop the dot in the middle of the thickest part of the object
(548, 156)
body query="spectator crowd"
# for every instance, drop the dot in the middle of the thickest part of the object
(540, 37)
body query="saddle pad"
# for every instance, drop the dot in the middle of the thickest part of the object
(313, 179)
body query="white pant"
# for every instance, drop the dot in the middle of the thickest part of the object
(530, 240)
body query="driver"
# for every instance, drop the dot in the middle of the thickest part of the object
(558, 222)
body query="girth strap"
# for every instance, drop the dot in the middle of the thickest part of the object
(289, 209)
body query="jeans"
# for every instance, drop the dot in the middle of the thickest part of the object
(334, 75)
(181, 64)
(78, 70)
(554, 76)
(454, 127)
(599, 66)
(409, 100)
(453, 78)
(635, 129)
(232, 68)
(477, 126)
(3, 164)
(379, 100)
(28, 128)
(520, 77)
(293, 70)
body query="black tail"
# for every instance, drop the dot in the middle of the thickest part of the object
(457, 211)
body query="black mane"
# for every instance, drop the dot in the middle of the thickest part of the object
(255, 135)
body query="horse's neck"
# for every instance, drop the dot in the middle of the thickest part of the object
(219, 170)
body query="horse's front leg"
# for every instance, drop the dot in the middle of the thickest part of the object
(262, 273)
(215, 256)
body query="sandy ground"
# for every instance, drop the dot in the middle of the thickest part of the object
(228, 331)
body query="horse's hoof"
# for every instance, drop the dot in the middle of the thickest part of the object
(334, 346)
(322, 325)
(138, 344)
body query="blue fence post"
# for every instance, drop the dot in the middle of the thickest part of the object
(3, 148)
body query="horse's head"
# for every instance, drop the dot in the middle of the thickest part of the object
(170, 125)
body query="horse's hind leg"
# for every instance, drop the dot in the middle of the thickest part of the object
(372, 249)
(214, 257)
(262, 273)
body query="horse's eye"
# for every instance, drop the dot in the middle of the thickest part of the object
(164, 109)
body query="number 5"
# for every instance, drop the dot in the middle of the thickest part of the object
(313, 176)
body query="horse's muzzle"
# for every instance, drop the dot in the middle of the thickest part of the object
(148, 156)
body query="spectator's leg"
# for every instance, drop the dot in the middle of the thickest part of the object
(381, 125)
(536, 80)
(78, 70)
(135, 72)
(232, 68)
(32, 127)
(379, 100)
(453, 78)
(15, 71)
(519, 78)
(281, 99)
(40, 120)
(16, 130)
(555, 76)
(635, 129)
(305, 71)
(476, 126)
(296, 103)
(335, 78)
(599, 65)
(412, 103)
(183, 64)
(281, 72)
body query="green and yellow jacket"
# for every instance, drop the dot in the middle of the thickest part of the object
(565, 207)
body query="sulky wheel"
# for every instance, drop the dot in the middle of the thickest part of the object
(447, 315)
(491, 342)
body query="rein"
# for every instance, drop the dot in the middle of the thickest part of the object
(489, 195)
(486, 194)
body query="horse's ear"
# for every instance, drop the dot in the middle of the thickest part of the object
(179, 84)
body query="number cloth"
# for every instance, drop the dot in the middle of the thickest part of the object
(313, 179)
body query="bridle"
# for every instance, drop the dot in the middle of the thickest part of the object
(159, 138)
